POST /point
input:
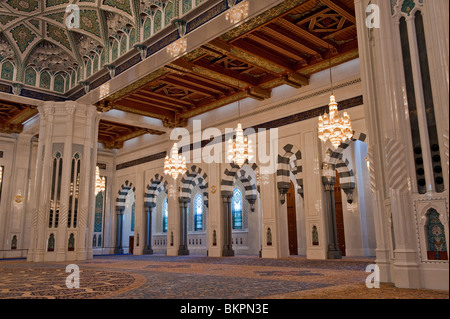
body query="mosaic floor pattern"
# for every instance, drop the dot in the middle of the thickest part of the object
(193, 277)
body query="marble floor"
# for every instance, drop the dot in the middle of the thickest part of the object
(197, 277)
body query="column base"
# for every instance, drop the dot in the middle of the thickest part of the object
(334, 254)
(183, 252)
(148, 251)
(118, 251)
(227, 252)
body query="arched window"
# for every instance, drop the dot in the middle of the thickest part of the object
(165, 215)
(55, 198)
(133, 216)
(71, 243)
(236, 208)
(74, 191)
(198, 213)
(51, 243)
(14, 242)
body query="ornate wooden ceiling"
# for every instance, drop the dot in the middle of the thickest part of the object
(111, 134)
(281, 46)
(284, 45)
(13, 115)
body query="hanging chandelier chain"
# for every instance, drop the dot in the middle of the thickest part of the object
(331, 126)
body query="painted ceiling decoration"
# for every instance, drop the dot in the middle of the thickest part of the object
(107, 30)
(30, 27)
(285, 45)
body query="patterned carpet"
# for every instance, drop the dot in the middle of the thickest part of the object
(193, 277)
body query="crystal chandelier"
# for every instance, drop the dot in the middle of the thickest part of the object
(334, 128)
(100, 182)
(237, 12)
(240, 149)
(175, 164)
(331, 126)
(178, 47)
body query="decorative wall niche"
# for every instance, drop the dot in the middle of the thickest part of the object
(432, 229)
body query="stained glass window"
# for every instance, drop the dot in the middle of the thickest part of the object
(98, 212)
(437, 246)
(165, 215)
(236, 209)
(198, 213)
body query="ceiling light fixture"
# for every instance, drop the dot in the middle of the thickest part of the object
(239, 150)
(175, 164)
(179, 46)
(100, 182)
(237, 12)
(331, 126)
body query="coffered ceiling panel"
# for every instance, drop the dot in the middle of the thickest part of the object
(284, 45)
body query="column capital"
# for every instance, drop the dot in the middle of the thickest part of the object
(328, 181)
(226, 198)
(183, 201)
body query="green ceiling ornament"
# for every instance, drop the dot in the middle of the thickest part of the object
(408, 6)
(23, 36)
(24, 5)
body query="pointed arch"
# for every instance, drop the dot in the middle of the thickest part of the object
(123, 192)
(233, 172)
(193, 177)
(157, 185)
(337, 154)
(334, 160)
(290, 162)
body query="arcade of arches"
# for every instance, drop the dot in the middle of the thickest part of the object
(116, 103)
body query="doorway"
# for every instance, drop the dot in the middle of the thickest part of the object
(131, 245)
(339, 215)
(292, 221)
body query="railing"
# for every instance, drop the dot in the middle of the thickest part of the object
(240, 238)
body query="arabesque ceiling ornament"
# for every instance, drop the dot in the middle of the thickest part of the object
(34, 32)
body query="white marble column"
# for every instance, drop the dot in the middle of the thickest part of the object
(269, 206)
(67, 128)
(390, 144)
(216, 220)
(16, 162)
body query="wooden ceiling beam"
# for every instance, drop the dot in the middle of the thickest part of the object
(239, 77)
(304, 34)
(208, 106)
(203, 83)
(189, 87)
(138, 108)
(341, 9)
(271, 57)
(309, 18)
(157, 100)
(280, 33)
(9, 128)
(208, 72)
(151, 103)
(284, 49)
(343, 30)
(229, 50)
